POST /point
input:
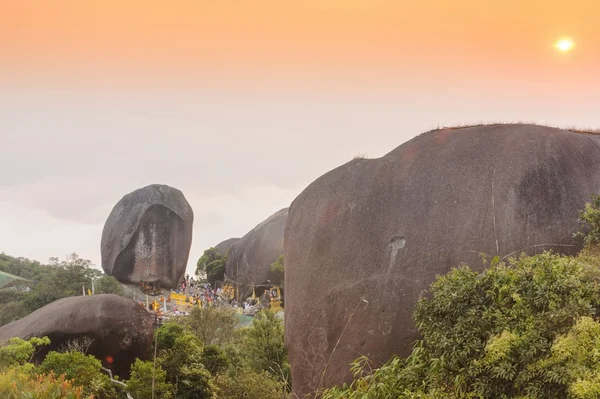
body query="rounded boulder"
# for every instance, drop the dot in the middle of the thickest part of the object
(250, 257)
(365, 240)
(118, 329)
(148, 234)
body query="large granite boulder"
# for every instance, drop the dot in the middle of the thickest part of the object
(363, 241)
(148, 234)
(224, 246)
(251, 256)
(121, 330)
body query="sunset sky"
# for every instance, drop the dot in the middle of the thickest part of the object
(242, 103)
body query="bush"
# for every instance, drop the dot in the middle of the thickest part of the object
(108, 285)
(182, 363)
(503, 333)
(15, 384)
(214, 359)
(17, 352)
(264, 346)
(167, 334)
(82, 369)
(590, 219)
(11, 311)
(213, 325)
(140, 382)
(249, 385)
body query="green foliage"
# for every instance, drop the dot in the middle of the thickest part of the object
(182, 360)
(103, 388)
(140, 382)
(108, 285)
(590, 220)
(11, 311)
(212, 263)
(213, 325)
(214, 359)
(48, 283)
(264, 346)
(17, 384)
(194, 382)
(17, 352)
(82, 369)
(22, 267)
(278, 265)
(249, 385)
(167, 334)
(62, 279)
(522, 329)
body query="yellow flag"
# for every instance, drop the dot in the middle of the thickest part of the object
(89, 292)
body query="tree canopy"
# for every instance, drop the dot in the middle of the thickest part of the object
(212, 265)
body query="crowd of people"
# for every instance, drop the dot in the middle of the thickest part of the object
(204, 295)
(200, 294)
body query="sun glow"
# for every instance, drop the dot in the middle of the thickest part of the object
(564, 45)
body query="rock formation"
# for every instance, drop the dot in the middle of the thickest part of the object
(253, 254)
(363, 241)
(120, 328)
(148, 234)
(224, 246)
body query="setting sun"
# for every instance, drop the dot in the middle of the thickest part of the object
(564, 45)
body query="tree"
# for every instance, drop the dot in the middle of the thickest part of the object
(264, 345)
(167, 334)
(145, 377)
(212, 263)
(108, 285)
(61, 279)
(11, 311)
(214, 359)
(213, 325)
(181, 356)
(278, 265)
(194, 382)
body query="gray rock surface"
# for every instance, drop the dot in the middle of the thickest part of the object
(120, 328)
(253, 254)
(364, 240)
(148, 232)
(224, 246)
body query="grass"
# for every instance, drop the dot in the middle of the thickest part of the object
(574, 129)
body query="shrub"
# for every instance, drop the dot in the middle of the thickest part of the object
(17, 352)
(213, 325)
(249, 385)
(16, 384)
(264, 346)
(589, 217)
(214, 359)
(140, 382)
(521, 329)
(82, 369)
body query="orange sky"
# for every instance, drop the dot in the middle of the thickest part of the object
(319, 40)
(242, 103)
